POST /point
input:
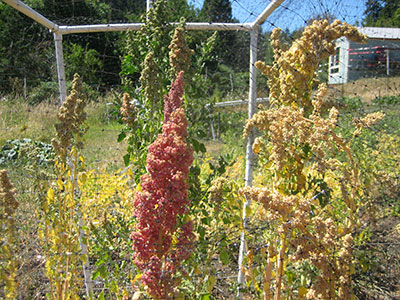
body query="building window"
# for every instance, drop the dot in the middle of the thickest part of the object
(334, 70)
(335, 58)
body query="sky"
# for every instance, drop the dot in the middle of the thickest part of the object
(293, 14)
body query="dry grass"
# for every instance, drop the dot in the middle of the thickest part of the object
(368, 88)
(19, 120)
(214, 147)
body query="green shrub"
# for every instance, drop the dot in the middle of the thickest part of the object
(49, 91)
(348, 103)
(45, 91)
(387, 100)
(12, 149)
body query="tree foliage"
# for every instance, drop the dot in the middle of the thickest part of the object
(24, 47)
(382, 13)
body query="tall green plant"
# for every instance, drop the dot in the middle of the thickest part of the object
(143, 117)
(154, 36)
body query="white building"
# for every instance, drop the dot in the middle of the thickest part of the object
(379, 56)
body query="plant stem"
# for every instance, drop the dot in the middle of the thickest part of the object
(279, 270)
(268, 273)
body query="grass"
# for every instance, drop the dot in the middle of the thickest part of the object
(368, 88)
(20, 120)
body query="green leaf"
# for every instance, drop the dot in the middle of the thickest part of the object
(121, 136)
(95, 274)
(211, 283)
(205, 221)
(103, 271)
(224, 256)
(126, 158)
(248, 211)
(202, 148)
(101, 296)
(205, 297)
(202, 232)
(83, 258)
(114, 287)
(196, 145)
(226, 220)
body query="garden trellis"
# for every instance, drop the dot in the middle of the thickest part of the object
(253, 28)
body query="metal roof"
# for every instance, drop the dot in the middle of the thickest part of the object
(381, 33)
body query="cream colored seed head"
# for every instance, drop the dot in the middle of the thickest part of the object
(180, 54)
(217, 189)
(150, 80)
(71, 116)
(128, 110)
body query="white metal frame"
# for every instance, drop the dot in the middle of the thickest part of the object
(253, 28)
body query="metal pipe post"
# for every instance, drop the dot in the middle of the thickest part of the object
(70, 29)
(87, 276)
(149, 4)
(60, 67)
(249, 150)
(387, 62)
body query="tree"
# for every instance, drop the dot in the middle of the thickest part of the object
(24, 48)
(83, 61)
(177, 9)
(220, 11)
(27, 48)
(382, 13)
(217, 11)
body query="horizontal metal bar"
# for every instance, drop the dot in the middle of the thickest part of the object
(99, 28)
(25, 9)
(31, 13)
(237, 102)
(137, 26)
(218, 26)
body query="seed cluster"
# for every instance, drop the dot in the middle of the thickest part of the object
(367, 121)
(8, 237)
(297, 148)
(160, 244)
(291, 76)
(71, 116)
(8, 202)
(217, 189)
(179, 54)
(151, 81)
(128, 110)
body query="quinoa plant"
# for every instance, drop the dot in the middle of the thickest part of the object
(8, 237)
(163, 237)
(61, 232)
(143, 116)
(312, 187)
